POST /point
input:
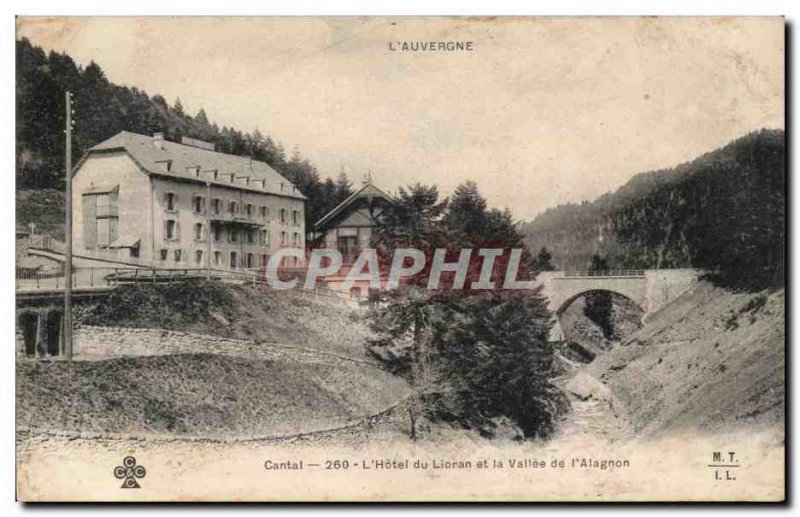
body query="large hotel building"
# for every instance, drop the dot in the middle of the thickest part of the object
(147, 200)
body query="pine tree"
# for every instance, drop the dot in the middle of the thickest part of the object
(469, 359)
(344, 187)
(543, 261)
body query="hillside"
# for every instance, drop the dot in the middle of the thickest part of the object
(723, 211)
(711, 360)
(198, 395)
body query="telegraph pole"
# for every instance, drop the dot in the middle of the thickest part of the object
(68, 233)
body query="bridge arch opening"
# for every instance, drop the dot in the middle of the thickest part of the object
(569, 301)
(597, 319)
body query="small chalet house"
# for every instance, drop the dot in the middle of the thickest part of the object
(348, 228)
(147, 200)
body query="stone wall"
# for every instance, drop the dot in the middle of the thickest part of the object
(95, 343)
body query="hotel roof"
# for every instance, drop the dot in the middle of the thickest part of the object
(181, 161)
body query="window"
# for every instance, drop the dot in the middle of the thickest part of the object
(170, 201)
(217, 233)
(198, 231)
(198, 257)
(283, 238)
(233, 235)
(251, 263)
(215, 205)
(347, 247)
(134, 252)
(283, 216)
(263, 262)
(232, 207)
(249, 210)
(217, 258)
(264, 212)
(233, 260)
(296, 239)
(103, 238)
(251, 236)
(198, 204)
(197, 172)
(163, 254)
(295, 217)
(178, 255)
(265, 237)
(102, 204)
(172, 229)
(100, 218)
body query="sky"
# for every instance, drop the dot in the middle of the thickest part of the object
(541, 112)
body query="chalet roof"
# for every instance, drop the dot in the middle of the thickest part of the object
(367, 190)
(184, 160)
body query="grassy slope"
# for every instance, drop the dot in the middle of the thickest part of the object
(710, 359)
(198, 395)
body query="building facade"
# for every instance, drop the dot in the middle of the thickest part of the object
(146, 200)
(349, 228)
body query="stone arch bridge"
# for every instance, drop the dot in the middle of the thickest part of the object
(650, 289)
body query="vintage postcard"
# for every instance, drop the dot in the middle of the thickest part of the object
(400, 259)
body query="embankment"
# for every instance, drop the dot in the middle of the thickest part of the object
(711, 360)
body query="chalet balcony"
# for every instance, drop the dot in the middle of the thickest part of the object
(234, 219)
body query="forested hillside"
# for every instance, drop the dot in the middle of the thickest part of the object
(102, 109)
(724, 212)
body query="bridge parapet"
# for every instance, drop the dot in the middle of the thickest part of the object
(580, 273)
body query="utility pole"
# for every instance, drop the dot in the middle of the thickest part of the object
(68, 233)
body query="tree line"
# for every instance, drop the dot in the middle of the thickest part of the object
(724, 212)
(103, 109)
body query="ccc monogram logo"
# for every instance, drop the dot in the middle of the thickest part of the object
(129, 471)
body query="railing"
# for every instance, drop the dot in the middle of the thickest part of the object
(45, 242)
(33, 280)
(607, 272)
